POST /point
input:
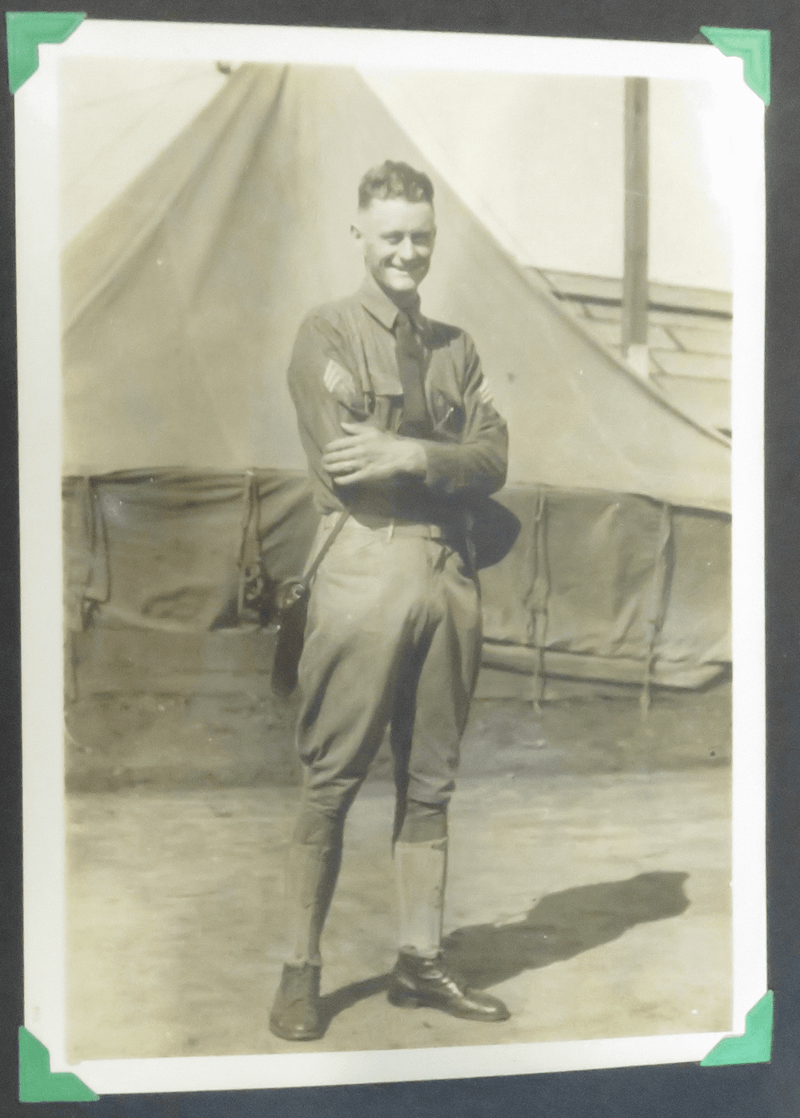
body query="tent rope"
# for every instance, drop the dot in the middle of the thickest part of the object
(539, 598)
(93, 583)
(98, 580)
(658, 604)
(250, 548)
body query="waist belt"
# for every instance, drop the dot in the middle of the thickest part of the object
(368, 523)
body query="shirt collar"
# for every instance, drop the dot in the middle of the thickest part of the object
(375, 300)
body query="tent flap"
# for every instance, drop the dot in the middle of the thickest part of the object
(574, 596)
(604, 553)
(172, 543)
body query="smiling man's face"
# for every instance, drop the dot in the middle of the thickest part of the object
(397, 237)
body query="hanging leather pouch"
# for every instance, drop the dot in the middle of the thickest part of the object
(291, 599)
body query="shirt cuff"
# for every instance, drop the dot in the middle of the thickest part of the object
(444, 470)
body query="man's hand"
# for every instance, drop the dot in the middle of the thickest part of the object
(367, 454)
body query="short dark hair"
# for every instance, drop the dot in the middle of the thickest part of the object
(394, 180)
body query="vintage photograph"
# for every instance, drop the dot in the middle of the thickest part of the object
(396, 443)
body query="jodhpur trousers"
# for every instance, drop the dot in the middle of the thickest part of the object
(392, 640)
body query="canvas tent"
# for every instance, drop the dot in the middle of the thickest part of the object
(180, 305)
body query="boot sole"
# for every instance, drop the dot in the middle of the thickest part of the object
(407, 999)
(284, 1034)
(404, 1000)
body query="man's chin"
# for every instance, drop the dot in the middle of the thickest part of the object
(401, 285)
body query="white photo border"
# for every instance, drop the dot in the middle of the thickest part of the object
(39, 356)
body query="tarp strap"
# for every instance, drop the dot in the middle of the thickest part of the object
(539, 596)
(98, 581)
(70, 666)
(93, 582)
(250, 573)
(658, 605)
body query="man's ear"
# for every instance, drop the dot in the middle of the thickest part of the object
(355, 232)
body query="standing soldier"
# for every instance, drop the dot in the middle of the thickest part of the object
(403, 443)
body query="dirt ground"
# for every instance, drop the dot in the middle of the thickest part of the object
(588, 884)
(244, 736)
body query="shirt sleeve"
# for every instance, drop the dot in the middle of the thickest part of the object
(478, 463)
(324, 390)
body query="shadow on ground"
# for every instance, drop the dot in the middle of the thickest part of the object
(558, 927)
(562, 925)
(347, 996)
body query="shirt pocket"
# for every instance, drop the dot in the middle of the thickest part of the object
(448, 416)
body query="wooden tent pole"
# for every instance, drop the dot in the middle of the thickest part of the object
(635, 296)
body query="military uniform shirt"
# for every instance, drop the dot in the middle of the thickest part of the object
(344, 368)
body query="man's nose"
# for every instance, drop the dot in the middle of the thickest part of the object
(407, 250)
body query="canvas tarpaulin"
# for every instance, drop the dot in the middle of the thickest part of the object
(180, 305)
(163, 549)
(609, 586)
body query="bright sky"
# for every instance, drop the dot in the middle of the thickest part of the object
(539, 159)
(544, 156)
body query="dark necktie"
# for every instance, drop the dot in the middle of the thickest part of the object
(416, 421)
